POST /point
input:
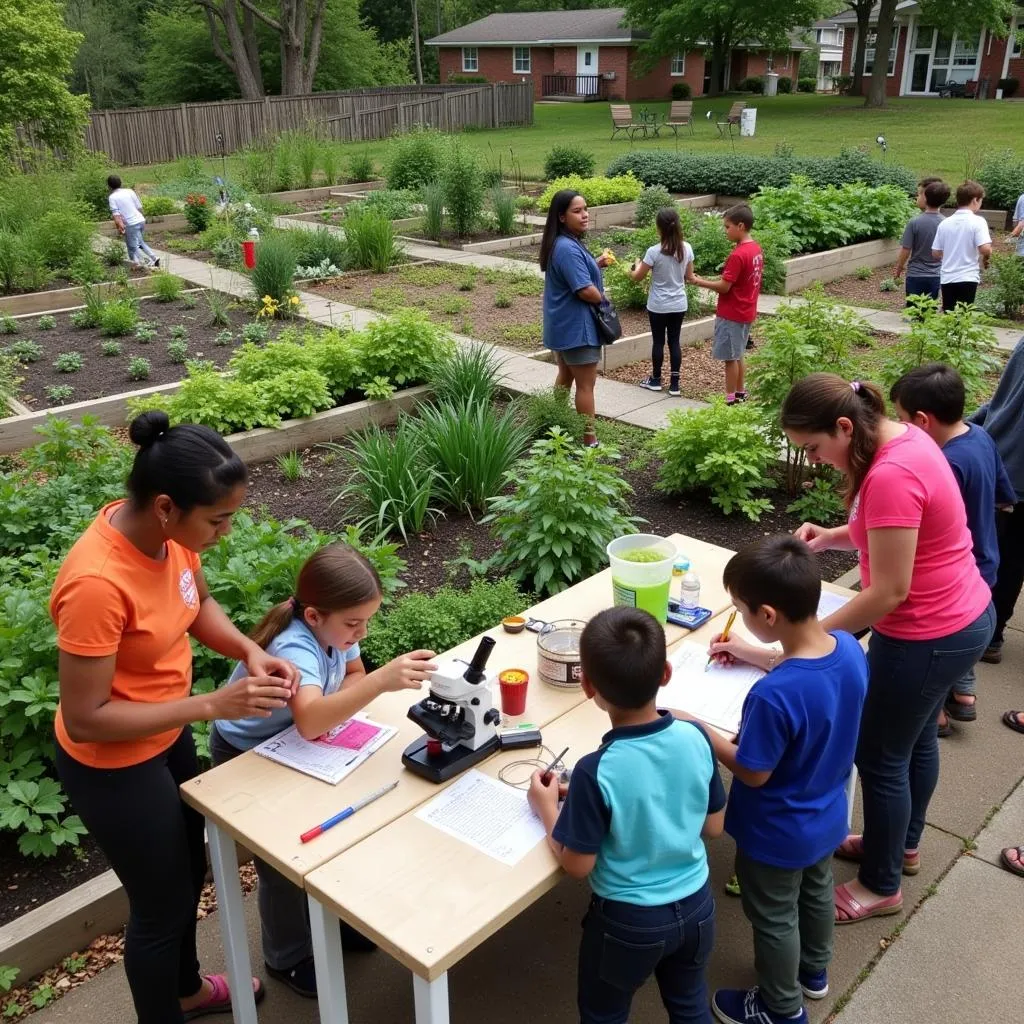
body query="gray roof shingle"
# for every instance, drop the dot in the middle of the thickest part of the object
(537, 27)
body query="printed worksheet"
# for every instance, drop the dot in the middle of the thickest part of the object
(714, 693)
(488, 815)
(830, 603)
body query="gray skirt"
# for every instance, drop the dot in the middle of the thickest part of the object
(582, 355)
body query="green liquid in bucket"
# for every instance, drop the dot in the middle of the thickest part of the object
(641, 555)
(652, 597)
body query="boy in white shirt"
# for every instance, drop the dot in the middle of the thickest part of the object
(126, 209)
(963, 244)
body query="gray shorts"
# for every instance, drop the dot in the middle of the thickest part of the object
(582, 355)
(730, 340)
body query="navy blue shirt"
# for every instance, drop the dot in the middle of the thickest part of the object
(984, 484)
(800, 723)
(568, 320)
(639, 802)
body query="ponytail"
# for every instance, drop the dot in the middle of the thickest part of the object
(276, 621)
(670, 231)
(815, 403)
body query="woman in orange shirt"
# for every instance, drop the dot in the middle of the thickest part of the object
(127, 598)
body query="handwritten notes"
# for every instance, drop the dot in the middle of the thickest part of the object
(830, 603)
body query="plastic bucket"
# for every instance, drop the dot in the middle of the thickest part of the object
(642, 583)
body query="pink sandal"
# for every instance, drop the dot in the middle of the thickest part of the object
(852, 848)
(219, 1000)
(855, 911)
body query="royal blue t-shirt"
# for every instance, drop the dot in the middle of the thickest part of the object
(639, 802)
(800, 723)
(568, 320)
(984, 483)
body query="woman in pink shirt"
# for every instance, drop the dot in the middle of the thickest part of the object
(929, 610)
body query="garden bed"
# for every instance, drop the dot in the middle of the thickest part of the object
(181, 240)
(450, 240)
(59, 282)
(101, 375)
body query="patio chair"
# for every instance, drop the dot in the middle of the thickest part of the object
(732, 119)
(680, 115)
(622, 121)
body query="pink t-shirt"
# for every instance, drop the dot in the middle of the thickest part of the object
(911, 485)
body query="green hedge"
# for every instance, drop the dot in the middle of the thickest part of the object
(743, 175)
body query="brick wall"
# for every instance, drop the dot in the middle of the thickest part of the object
(992, 53)
(1015, 69)
(657, 83)
(495, 64)
(892, 82)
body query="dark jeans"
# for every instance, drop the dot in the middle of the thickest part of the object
(898, 748)
(624, 944)
(922, 286)
(154, 843)
(1010, 577)
(956, 292)
(792, 912)
(666, 326)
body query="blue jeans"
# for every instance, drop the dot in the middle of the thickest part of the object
(623, 944)
(898, 748)
(134, 241)
(923, 286)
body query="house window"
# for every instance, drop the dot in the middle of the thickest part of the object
(470, 59)
(521, 60)
(1016, 32)
(785, 67)
(869, 52)
(678, 64)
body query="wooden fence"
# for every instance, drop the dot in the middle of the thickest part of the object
(155, 134)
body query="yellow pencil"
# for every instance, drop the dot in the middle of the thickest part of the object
(724, 636)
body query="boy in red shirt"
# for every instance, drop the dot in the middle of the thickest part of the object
(738, 289)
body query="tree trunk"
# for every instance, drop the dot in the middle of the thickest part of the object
(416, 41)
(863, 12)
(316, 35)
(719, 55)
(879, 72)
(242, 54)
(251, 48)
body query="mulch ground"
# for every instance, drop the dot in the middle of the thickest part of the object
(700, 376)
(59, 282)
(102, 375)
(453, 241)
(179, 240)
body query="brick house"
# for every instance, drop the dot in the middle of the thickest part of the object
(588, 54)
(922, 58)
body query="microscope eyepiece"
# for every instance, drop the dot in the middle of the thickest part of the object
(475, 672)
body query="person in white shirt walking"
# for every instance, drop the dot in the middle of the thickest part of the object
(126, 209)
(963, 244)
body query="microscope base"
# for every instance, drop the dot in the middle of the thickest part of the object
(449, 763)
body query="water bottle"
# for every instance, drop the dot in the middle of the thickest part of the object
(689, 591)
(254, 234)
(679, 569)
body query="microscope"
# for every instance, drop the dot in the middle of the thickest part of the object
(457, 716)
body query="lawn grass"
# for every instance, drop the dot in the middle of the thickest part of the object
(930, 136)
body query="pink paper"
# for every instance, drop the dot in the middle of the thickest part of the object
(353, 736)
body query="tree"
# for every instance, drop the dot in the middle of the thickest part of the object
(37, 51)
(233, 37)
(717, 24)
(108, 65)
(862, 11)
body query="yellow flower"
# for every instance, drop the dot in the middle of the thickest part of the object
(294, 300)
(268, 299)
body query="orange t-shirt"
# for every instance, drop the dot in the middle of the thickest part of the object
(110, 598)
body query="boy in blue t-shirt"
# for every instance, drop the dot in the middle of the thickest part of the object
(632, 822)
(932, 397)
(791, 762)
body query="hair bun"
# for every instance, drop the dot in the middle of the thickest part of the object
(147, 427)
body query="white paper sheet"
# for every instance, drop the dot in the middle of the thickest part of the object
(488, 815)
(321, 758)
(714, 696)
(830, 603)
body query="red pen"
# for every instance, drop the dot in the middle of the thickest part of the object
(347, 813)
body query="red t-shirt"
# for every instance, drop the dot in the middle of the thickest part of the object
(743, 268)
(911, 485)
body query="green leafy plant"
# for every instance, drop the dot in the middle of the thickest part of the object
(463, 185)
(360, 167)
(330, 163)
(25, 351)
(8, 325)
(145, 332)
(275, 268)
(118, 317)
(224, 338)
(562, 161)
(157, 206)
(255, 332)
(372, 244)
(546, 410)
(401, 348)
(115, 253)
(502, 300)
(379, 389)
(395, 204)
(819, 501)
(111, 348)
(863, 273)
(567, 504)
(290, 465)
(722, 449)
(433, 210)
(167, 287)
(46, 322)
(650, 201)
(68, 362)
(888, 284)
(61, 236)
(9, 382)
(414, 159)
(177, 351)
(138, 369)
(86, 269)
(503, 206)
(59, 394)
(623, 188)
(466, 373)
(625, 292)
(197, 212)
(179, 332)
(1002, 175)
(1006, 274)
(35, 808)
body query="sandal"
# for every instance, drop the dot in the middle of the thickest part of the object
(852, 848)
(962, 712)
(219, 1000)
(1016, 866)
(1014, 720)
(855, 911)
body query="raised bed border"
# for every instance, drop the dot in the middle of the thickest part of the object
(38, 303)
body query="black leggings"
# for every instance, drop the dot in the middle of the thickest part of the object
(666, 326)
(154, 843)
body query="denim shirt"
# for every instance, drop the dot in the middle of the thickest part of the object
(568, 320)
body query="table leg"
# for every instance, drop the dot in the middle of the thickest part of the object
(431, 999)
(232, 924)
(329, 963)
(851, 792)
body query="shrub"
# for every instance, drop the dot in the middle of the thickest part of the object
(138, 369)
(863, 273)
(1007, 277)
(784, 85)
(275, 268)
(752, 83)
(807, 85)
(681, 91)
(819, 500)
(395, 204)
(1009, 86)
(1002, 176)
(623, 188)
(650, 201)
(360, 167)
(545, 411)
(167, 287)
(711, 248)
(58, 394)
(568, 503)
(414, 159)
(716, 450)
(371, 241)
(177, 352)
(8, 325)
(197, 212)
(313, 248)
(86, 269)
(111, 348)
(115, 253)
(433, 210)
(24, 351)
(463, 186)
(118, 318)
(777, 244)
(466, 373)
(562, 161)
(293, 394)
(503, 205)
(625, 292)
(157, 206)
(61, 236)
(68, 362)
(12, 260)
(441, 620)
(401, 348)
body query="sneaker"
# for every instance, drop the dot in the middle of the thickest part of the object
(301, 978)
(745, 1006)
(673, 388)
(156, 263)
(814, 986)
(993, 654)
(741, 396)
(651, 384)
(730, 399)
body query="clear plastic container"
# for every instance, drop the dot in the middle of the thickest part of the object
(642, 572)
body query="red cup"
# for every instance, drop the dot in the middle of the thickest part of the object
(249, 253)
(513, 683)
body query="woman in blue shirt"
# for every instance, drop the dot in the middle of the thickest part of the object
(572, 287)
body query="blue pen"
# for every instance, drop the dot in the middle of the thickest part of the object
(347, 813)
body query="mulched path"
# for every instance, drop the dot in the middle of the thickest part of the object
(700, 376)
(179, 240)
(435, 288)
(102, 375)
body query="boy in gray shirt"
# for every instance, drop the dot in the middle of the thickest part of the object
(916, 244)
